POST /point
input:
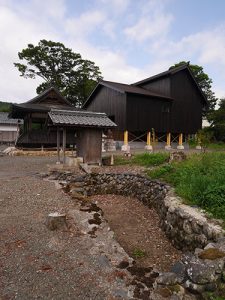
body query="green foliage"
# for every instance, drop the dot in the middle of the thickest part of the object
(144, 159)
(59, 66)
(217, 119)
(150, 159)
(138, 253)
(204, 82)
(161, 171)
(204, 138)
(5, 106)
(200, 180)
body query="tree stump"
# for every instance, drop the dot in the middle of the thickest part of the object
(56, 221)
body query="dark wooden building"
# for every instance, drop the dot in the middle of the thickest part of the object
(170, 104)
(35, 132)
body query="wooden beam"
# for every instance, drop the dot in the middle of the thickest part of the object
(58, 145)
(64, 145)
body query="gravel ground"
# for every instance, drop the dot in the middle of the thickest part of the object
(137, 230)
(36, 263)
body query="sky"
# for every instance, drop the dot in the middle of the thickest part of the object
(128, 39)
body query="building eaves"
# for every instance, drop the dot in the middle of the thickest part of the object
(80, 119)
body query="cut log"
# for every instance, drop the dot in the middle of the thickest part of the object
(56, 221)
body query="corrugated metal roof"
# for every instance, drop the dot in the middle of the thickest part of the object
(80, 118)
(4, 119)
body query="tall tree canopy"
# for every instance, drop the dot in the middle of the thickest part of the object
(205, 84)
(60, 67)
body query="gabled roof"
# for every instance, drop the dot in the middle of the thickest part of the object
(171, 72)
(80, 119)
(4, 119)
(19, 110)
(126, 88)
(46, 92)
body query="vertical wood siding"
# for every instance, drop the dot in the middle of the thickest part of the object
(187, 108)
(112, 103)
(144, 113)
(160, 85)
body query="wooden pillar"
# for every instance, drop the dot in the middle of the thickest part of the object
(58, 146)
(168, 141)
(180, 142)
(64, 145)
(126, 137)
(148, 144)
(125, 146)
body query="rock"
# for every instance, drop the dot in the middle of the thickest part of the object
(193, 287)
(211, 253)
(200, 273)
(78, 196)
(179, 269)
(168, 278)
(177, 156)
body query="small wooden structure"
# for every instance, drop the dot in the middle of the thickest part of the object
(87, 128)
(9, 128)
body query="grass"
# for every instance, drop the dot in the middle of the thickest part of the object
(144, 159)
(138, 253)
(200, 180)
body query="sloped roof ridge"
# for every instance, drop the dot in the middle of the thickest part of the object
(78, 112)
(52, 88)
(162, 74)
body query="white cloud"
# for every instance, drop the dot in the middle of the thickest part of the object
(153, 22)
(118, 6)
(152, 27)
(85, 24)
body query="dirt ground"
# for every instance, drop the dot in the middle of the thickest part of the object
(36, 263)
(136, 228)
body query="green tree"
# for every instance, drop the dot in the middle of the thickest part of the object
(217, 119)
(205, 84)
(60, 67)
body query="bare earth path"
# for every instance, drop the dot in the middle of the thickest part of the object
(136, 228)
(36, 263)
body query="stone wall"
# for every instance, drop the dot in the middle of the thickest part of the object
(185, 226)
(198, 273)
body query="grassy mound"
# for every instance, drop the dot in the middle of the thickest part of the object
(200, 180)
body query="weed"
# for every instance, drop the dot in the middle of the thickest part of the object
(138, 253)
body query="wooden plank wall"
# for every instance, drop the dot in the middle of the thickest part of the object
(111, 102)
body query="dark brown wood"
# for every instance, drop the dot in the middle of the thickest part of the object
(89, 145)
(111, 102)
(58, 145)
(64, 145)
